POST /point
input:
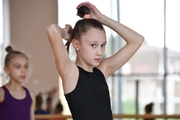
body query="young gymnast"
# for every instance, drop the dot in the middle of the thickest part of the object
(84, 84)
(16, 101)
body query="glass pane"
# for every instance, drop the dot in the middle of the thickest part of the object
(137, 92)
(145, 17)
(172, 24)
(173, 61)
(173, 94)
(172, 35)
(1, 41)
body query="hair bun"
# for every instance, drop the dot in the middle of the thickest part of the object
(151, 104)
(9, 49)
(82, 11)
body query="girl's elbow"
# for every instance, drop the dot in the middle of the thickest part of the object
(141, 40)
(50, 28)
(53, 29)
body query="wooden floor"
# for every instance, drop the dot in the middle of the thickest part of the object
(42, 117)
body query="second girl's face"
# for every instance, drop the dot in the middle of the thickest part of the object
(18, 68)
(92, 46)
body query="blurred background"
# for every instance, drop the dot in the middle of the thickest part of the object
(152, 75)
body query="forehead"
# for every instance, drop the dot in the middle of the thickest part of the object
(94, 34)
(19, 59)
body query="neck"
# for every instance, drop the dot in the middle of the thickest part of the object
(14, 86)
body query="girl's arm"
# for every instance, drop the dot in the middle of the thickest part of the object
(32, 105)
(1, 95)
(55, 36)
(66, 68)
(133, 41)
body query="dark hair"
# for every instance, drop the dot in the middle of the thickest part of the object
(149, 108)
(49, 99)
(81, 27)
(12, 54)
(59, 107)
(39, 101)
(82, 11)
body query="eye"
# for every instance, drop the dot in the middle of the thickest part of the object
(103, 45)
(93, 45)
(17, 66)
(26, 66)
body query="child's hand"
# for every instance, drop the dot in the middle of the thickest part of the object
(94, 12)
(67, 31)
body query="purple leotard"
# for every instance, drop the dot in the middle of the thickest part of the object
(15, 109)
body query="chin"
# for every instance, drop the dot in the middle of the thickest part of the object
(95, 65)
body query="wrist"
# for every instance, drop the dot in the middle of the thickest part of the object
(101, 19)
(63, 32)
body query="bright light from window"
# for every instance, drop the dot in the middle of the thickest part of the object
(173, 24)
(1, 23)
(145, 17)
(67, 10)
(1, 35)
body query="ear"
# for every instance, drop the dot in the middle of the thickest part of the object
(6, 70)
(75, 44)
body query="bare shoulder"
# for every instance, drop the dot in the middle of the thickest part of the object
(32, 94)
(1, 94)
(103, 68)
(70, 78)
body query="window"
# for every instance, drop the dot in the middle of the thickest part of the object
(1, 40)
(4, 35)
(155, 65)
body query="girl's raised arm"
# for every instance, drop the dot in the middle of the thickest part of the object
(55, 36)
(133, 41)
(66, 68)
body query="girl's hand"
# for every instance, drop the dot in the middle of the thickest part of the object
(94, 12)
(67, 31)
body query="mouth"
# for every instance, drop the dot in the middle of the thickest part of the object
(97, 59)
(23, 76)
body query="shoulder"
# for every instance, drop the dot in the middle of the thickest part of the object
(70, 79)
(103, 67)
(1, 94)
(33, 98)
(32, 93)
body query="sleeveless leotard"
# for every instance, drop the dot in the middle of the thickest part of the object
(15, 109)
(90, 99)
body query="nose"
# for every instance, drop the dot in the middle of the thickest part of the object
(99, 51)
(24, 69)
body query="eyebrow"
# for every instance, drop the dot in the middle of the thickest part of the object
(98, 41)
(20, 64)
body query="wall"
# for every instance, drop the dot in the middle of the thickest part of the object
(28, 22)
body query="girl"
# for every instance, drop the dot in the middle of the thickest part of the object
(84, 82)
(16, 102)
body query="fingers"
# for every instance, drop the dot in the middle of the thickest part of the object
(69, 28)
(94, 12)
(87, 4)
(83, 11)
